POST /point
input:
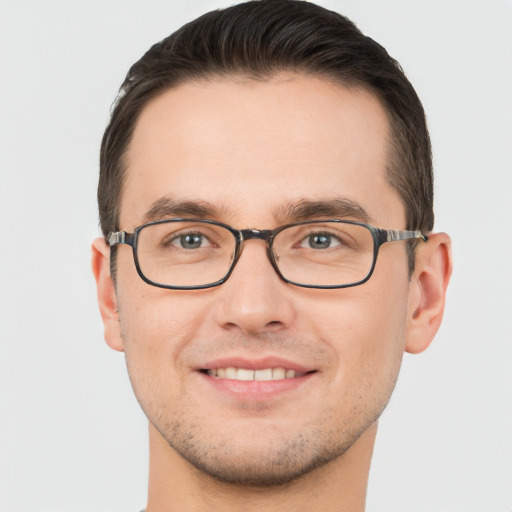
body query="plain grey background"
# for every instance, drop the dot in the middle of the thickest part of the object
(72, 437)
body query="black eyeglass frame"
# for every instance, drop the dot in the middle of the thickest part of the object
(380, 236)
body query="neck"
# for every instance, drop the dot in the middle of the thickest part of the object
(175, 485)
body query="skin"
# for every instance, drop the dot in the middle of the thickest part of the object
(248, 148)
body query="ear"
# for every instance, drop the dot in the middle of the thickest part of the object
(107, 298)
(427, 291)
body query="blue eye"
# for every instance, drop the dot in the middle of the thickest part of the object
(190, 241)
(320, 241)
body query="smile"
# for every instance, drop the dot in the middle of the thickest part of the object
(244, 374)
(254, 380)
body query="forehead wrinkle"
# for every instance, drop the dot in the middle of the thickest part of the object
(167, 207)
(338, 208)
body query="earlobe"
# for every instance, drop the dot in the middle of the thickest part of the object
(107, 299)
(427, 291)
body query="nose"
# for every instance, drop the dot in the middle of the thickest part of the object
(254, 300)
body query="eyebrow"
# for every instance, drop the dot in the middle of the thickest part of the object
(166, 207)
(338, 208)
(293, 211)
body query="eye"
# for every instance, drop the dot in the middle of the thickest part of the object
(190, 241)
(320, 241)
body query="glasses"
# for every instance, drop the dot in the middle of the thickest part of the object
(190, 254)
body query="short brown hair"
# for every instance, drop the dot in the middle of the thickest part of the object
(258, 39)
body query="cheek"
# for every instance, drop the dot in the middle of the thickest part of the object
(367, 337)
(156, 321)
(365, 327)
(156, 324)
(152, 317)
(155, 330)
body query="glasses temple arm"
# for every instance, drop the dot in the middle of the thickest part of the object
(120, 237)
(396, 234)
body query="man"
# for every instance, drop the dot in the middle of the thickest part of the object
(270, 168)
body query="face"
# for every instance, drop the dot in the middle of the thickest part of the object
(243, 153)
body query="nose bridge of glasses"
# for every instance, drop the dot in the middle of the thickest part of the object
(255, 234)
(259, 234)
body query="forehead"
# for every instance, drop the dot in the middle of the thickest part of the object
(249, 147)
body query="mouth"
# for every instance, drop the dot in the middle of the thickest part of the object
(260, 375)
(250, 379)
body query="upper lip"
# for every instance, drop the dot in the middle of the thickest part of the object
(260, 363)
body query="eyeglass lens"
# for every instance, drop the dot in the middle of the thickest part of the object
(196, 253)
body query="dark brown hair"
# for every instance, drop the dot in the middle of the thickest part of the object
(258, 39)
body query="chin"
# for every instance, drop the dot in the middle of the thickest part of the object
(261, 463)
(261, 470)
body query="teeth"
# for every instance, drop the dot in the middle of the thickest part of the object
(231, 373)
(278, 373)
(244, 374)
(263, 374)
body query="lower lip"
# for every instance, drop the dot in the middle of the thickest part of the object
(255, 389)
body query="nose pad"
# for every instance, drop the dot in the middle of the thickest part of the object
(254, 299)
